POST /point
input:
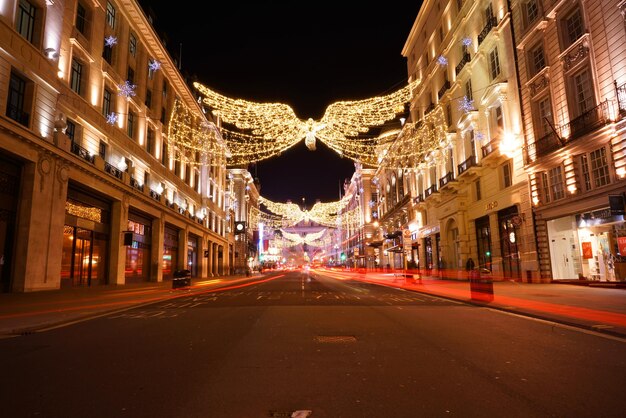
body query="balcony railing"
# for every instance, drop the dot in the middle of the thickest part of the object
(418, 199)
(429, 108)
(449, 177)
(82, 153)
(432, 189)
(621, 98)
(114, 171)
(489, 148)
(135, 184)
(444, 88)
(467, 164)
(492, 22)
(466, 58)
(18, 115)
(547, 143)
(588, 121)
(156, 196)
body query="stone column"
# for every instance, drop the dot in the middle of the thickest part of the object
(117, 258)
(156, 252)
(496, 253)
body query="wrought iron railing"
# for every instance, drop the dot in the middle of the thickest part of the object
(429, 108)
(547, 143)
(418, 199)
(467, 164)
(449, 177)
(112, 170)
(156, 196)
(444, 88)
(82, 153)
(432, 189)
(466, 58)
(18, 115)
(588, 121)
(135, 184)
(489, 148)
(492, 22)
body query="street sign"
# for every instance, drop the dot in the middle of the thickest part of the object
(356, 251)
(407, 242)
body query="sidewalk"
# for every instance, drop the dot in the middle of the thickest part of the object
(24, 313)
(595, 308)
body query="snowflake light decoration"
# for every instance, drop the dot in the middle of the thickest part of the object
(466, 104)
(467, 41)
(154, 65)
(127, 90)
(443, 61)
(110, 40)
(479, 136)
(112, 118)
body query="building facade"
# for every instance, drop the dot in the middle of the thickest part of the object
(470, 193)
(244, 198)
(93, 191)
(572, 68)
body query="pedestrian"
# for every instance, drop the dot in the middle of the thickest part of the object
(469, 266)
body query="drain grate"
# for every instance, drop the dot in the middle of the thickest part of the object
(335, 339)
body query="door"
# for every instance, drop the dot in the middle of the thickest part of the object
(561, 257)
(81, 269)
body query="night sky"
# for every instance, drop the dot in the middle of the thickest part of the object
(269, 51)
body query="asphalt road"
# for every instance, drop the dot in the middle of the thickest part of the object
(293, 342)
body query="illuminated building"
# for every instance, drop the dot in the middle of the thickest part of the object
(572, 68)
(87, 90)
(469, 197)
(245, 193)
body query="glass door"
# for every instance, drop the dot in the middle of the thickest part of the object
(81, 269)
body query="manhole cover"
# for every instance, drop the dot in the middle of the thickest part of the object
(335, 339)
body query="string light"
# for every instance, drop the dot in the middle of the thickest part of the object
(270, 128)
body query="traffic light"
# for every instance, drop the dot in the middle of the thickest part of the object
(240, 227)
(343, 256)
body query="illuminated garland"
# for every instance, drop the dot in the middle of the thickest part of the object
(274, 127)
(321, 213)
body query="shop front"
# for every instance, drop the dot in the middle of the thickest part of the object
(170, 251)
(137, 267)
(85, 238)
(588, 246)
(192, 254)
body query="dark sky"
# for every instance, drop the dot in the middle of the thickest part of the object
(305, 54)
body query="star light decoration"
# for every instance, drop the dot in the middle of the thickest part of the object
(466, 41)
(154, 65)
(127, 90)
(268, 129)
(110, 40)
(466, 105)
(112, 118)
(443, 61)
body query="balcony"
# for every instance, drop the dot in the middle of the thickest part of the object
(114, 171)
(587, 122)
(492, 22)
(430, 191)
(429, 108)
(82, 152)
(156, 196)
(418, 199)
(466, 58)
(468, 167)
(444, 88)
(545, 145)
(448, 182)
(135, 184)
(18, 115)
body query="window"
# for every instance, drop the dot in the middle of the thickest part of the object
(132, 45)
(102, 150)
(557, 187)
(498, 119)
(148, 99)
(544, 113)
(131, 75)
(573, 25)
(16, 100)
(537, 59)
(130, 128)
(507, 174)
(545, 189)
(81, 19)
(472, 144)
(468, 90)
(70, 130)
(441, 36)
(164, 90)
(478, 191)
(110, 15)
(494, 63)
(177, 168)
(583, 92)
(76, 77)
(106, 102)
(188, 174)
(164, 158)
(150, 141)
(162, 116)
(449, 115)
(584, 162)
(599, 167)
(107, 53)
(25, 20)
(532, 11)
(489, 12)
